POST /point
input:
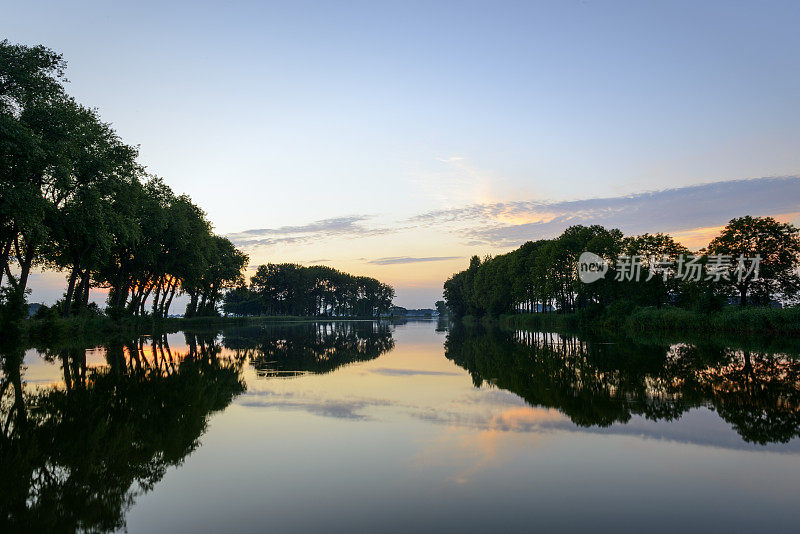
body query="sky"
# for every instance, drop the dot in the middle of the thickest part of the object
(397, 139)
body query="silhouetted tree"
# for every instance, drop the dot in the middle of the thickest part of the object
(73, 199)
(291, 289)
(778, 245)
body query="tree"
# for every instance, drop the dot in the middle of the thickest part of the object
(659, 284)
(79, 196)
(30, 79)
(73, 199)
(224, 272)
(542, 275)
(291, 289)
(778, 245)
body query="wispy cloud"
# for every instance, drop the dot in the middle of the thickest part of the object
(348, 227)
(350, 408)
(690, 213)
(396, 260)
(513, 223)
(412, 372)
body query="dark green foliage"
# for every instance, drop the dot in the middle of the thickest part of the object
(732, 320)
(290, 289)
(538, 276)
(542, 276)
(777, 243)
(626, 316)
(74, 199)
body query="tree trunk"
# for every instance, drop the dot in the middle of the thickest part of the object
(133, 306)
(4, 258)
(82, 293)
(86, 289)
(121, 296)
(70, 291)
(25, 269)
(143, 302)
(165, 310)
(121, 293)
(172, 287)
(202, 307)
(191, 308)
(157, 295)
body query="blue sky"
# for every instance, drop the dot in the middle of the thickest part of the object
(350, 120)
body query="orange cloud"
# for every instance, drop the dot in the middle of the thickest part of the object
(698, 238)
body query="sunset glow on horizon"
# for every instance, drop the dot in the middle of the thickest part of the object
(383, 142)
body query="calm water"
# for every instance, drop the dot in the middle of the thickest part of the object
(360, 426)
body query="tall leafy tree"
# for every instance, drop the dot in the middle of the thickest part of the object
(291, 289)
(31, 78)
(778, 246)
(73, 199)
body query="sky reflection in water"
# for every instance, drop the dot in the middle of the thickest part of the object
(354, 426)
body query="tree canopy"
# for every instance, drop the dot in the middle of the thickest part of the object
(777, 244)
(542, 276)
(75, 199)
(291, 289)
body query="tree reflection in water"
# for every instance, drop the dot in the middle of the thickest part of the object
(75, 456)
(322, 347)
(597, 383)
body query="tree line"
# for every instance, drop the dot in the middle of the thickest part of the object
(75, 199)
(542, 276)
(291, 289)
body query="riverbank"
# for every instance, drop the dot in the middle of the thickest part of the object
(100, 328)
(746, 321)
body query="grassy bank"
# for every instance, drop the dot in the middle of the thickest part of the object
(745, 321)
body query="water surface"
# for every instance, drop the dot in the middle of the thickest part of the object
(358, 425)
